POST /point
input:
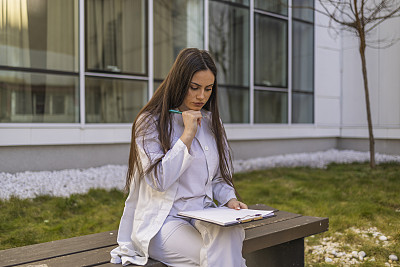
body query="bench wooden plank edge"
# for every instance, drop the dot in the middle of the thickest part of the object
(37, 252)
(285, 231)
(98, 257)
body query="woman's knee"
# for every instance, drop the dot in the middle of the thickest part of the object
(178, 246)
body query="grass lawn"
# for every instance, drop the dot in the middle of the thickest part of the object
(352, 196)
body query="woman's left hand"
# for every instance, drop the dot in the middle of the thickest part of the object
(236, 204)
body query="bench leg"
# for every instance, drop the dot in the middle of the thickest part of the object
(286, 254)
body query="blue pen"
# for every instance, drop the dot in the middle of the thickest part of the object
(180, 112)
(175, 111)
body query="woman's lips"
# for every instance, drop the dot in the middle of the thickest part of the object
(199, 104)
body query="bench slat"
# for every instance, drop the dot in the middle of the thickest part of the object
(284, 231)
(57, 248)
(97, 257)
(279, 217)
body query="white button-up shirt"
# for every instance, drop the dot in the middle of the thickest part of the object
(184, 180)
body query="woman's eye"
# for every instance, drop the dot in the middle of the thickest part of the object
(208, 89)
(194, 88)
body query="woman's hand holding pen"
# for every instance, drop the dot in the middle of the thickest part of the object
(191, 119)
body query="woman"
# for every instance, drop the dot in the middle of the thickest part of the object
(180, 162)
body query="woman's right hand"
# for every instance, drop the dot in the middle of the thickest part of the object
(191, 119)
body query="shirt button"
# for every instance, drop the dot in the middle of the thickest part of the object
(210, 178)
(206, 148)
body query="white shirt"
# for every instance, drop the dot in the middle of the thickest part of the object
(195, 189)
(155, 197)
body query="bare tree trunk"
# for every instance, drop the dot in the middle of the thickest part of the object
(367, 102)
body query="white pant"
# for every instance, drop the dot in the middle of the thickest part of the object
(180, 243)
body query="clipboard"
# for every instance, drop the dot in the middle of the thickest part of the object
(224, 216)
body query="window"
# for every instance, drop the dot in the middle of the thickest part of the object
(116, 39)
(303, 10)
(114, 100)
(229, 46)
(270, 53)
(270, 107)
(41, 80)
(241, 2)
(274, 6)
(303, 63)
(27, 97)
(270, 64)
(303, 107)
(39, 61)
(116, 43)
(177, 24)
(39, 34)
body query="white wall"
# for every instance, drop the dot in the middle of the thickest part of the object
(327, 73)
(383, 66)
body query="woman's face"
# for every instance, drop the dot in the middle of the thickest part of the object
(199, 91)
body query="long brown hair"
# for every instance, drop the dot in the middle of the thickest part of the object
(170, 94)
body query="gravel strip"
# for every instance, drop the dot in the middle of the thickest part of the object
(66, 182)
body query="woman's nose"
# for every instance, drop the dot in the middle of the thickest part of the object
(200, 95)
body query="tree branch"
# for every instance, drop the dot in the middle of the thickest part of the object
(388, 44)
(382, 19)
(333, 15)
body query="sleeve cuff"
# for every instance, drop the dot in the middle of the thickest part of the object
(228, 197)
(178, 147)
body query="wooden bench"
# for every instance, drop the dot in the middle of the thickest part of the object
(277, 241)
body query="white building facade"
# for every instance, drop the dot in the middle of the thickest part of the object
(74, 74)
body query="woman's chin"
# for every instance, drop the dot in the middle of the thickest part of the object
(196, 108)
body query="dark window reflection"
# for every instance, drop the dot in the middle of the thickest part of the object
(271, 52)
(303, 108)
(270, 107)
(233, 103)
(40, 34)
(229, 42)
(303, 56)
(177, 24)
(114, 100)
(31, 97)
(303, 10)
(116, 36)
(274, 6)
(229, 46)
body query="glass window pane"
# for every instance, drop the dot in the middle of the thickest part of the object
(303, 108)
(233, 104)
(116, 36)
(114, 100)
(270, 107)
(242, 2)
(177, 24)
(271, 51)
(156, 84)
(303, 57)
(275, 6)
(303, 9)
(39, 34)
(34, 97)
(229, 43)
